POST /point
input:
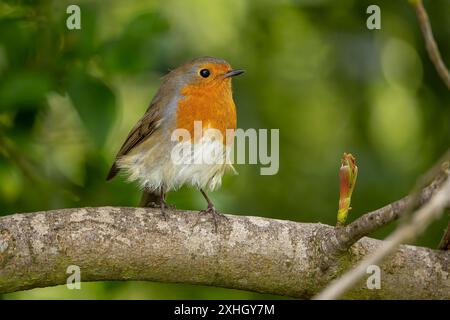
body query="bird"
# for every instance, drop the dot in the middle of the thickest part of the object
(194, 100)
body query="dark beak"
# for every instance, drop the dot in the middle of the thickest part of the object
(233, 73)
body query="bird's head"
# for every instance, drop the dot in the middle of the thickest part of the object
(206, 73)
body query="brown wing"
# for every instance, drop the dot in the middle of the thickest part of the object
(141, 131)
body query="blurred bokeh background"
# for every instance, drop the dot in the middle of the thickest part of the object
(69, 97)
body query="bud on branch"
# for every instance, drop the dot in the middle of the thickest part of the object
(347, 174)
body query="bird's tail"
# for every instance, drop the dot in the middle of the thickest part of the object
(113, 171)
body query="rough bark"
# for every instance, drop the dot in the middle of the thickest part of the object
(249, 253)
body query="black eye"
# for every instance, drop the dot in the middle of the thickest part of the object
(204, 73)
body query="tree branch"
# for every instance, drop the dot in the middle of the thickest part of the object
(444, 244)
(430, 43)
(419, 222)
(441, 68)
(342, 238)
(346, 236)
(249, 253)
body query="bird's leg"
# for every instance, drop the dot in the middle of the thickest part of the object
(163, 204)
(151, 199)
(210, 207)
(163, 201)
(211, 210)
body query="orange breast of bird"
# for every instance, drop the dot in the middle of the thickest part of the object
(212, 105)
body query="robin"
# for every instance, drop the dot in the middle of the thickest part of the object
(196, 95)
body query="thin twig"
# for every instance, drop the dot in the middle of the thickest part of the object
(377, 219)
(425, 187)
(445, 241)
(430, 43)
(420, 220)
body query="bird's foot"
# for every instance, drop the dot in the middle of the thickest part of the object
(167, 205)
(151, 204)
(214, 214)
(163, 205)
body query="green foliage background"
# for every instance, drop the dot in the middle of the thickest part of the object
(68, 99)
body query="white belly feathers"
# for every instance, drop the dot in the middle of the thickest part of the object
(170, 165)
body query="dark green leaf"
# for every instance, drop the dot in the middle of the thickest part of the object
(25, 89)
(95, 103)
